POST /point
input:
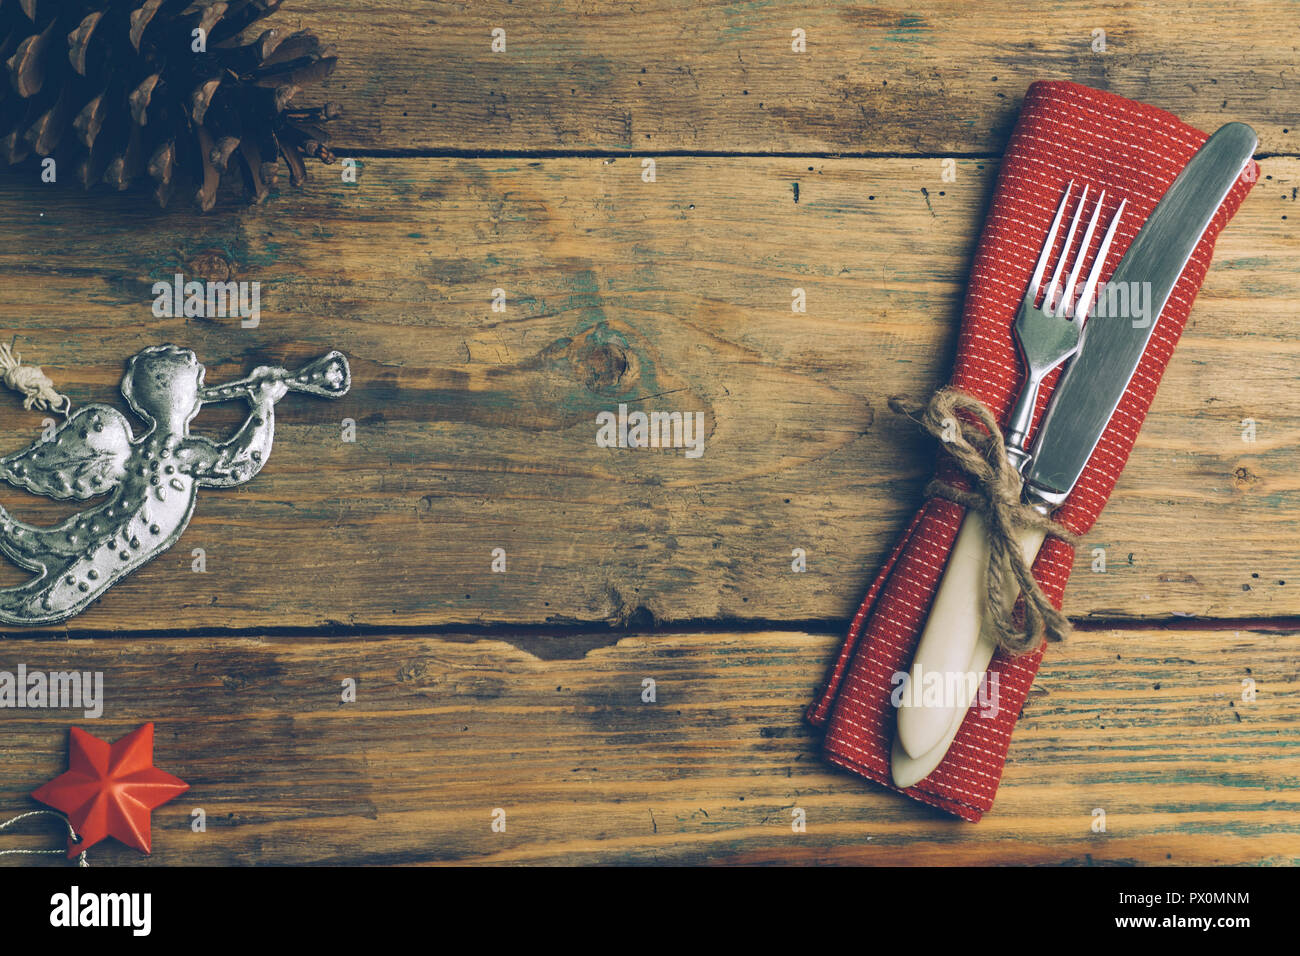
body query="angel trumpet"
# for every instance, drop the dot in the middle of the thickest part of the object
(328, 376)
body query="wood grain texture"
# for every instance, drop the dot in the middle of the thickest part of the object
(476, 429)
(684, 75)
(1149, 726)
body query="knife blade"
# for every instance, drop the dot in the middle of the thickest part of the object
(1092, 385)
(1082, 404)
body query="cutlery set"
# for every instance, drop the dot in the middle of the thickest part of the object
(1100, 357)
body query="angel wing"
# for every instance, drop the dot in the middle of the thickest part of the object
(86, 457)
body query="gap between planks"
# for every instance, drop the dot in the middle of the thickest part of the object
(450, 153)
(591, 635)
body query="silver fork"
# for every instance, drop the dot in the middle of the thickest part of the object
(1050, 334)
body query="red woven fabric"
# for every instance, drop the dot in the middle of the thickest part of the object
(1065, 132)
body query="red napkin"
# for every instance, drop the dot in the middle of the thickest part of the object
(1065, 132)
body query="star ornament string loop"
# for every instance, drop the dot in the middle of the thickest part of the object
(24, 851)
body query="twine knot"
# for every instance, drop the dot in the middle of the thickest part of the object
(32, 382)
(970, 434)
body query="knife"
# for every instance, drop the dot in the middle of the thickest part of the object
(1082, 404)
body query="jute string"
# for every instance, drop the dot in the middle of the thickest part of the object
(72, 835)
(971, 435)
(35, 385)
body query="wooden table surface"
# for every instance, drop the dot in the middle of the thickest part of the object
(1173, 710)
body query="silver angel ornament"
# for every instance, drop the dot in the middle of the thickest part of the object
(150, 482)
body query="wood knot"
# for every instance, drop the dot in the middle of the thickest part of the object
(210, 265)
(603, 366)
(412, 671)
(1243, 477)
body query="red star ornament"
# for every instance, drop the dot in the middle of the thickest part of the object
(110, 789)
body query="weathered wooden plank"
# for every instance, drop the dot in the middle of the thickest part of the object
(886, 77)
(1148, 726)
(476, 429)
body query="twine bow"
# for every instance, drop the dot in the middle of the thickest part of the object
(980, 451)
(32, 382)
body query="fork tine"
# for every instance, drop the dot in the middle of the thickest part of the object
(1048, 299)
(1067, 306)
(1084, 307)
(1048, 244)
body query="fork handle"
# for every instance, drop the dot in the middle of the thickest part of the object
(946, 652)
(1022, 416)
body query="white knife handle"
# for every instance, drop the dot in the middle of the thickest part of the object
(947, 648)
(908, 770)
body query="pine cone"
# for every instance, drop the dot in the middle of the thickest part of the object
(115, 91)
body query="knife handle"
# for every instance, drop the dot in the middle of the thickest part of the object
(907, 770)
(947, 650)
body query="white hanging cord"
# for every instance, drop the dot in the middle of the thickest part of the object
(72, 834)
(35, 385)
